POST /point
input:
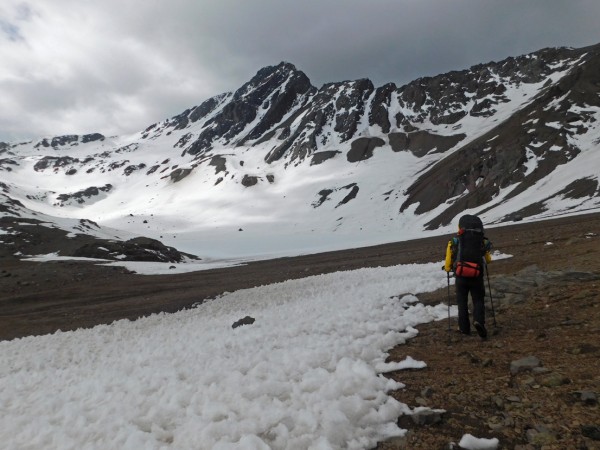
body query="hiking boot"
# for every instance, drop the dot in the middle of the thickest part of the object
(481, 331)
(468, 332)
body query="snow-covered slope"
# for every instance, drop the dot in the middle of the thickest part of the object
(281, 167)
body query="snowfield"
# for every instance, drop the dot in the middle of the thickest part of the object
(307, 374)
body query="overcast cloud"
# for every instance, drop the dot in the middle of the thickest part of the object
(114, 67)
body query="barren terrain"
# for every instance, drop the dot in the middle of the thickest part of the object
(545, 305)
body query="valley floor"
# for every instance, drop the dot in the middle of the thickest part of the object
(550, 311)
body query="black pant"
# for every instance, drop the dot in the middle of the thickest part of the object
(477, 289)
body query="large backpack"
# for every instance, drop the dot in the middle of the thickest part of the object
(470, 247)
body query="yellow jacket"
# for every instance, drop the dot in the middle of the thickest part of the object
(451, 250)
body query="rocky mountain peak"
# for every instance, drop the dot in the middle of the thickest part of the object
(271, 78)
(508, 139)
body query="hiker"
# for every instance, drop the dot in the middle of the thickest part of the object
(466, 255)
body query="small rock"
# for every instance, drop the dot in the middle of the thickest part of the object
(539, 439)
(554, 380)
(583, 349)
(495, 423)
(427, 417)
(570, 322)
(420, 401)
(524, 364)
(399, 442)
(244, 321)
(591, 431)
(541, 337)
(472, 358)
(587, 397)
(427, 392)
(498, 402)
(528, 382)
(508, 420)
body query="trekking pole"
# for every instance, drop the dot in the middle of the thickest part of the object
(487, 272)
(449, 331)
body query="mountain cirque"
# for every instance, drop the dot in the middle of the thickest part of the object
(509, 140)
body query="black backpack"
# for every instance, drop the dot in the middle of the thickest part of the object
(470, 247)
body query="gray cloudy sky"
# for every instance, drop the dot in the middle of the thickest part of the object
(115, 67)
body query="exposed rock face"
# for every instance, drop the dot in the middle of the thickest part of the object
(69, 139)
(82, 195)
(340, 105)
(362, 149)
(249, 180)
(420, 143)
(320, 157)
(5, 164)
(132, 168)
(351, 195)
(520, 151)
(442, 99)
(578, 189)
(179, 174)
(303, 120)
(54, 162)
(219, 162)
(91, 137)
(274, 90)
(324, 195)
(379, 114)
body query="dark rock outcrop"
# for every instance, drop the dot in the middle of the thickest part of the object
(133, 168)
(54, 162)
(219, 162)
(91, 138)
(274, 90)
(324, 195)
(136, 249)
(82, 195)
(362, 149)
(320, 157)
(351, 195)
(420, 143)
(179, 174)
(249, 180)
(379, 114)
